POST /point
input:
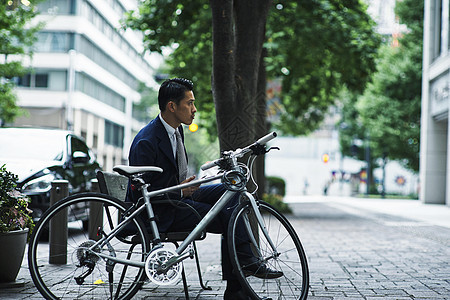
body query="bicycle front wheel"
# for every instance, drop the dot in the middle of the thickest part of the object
(288, 257)
(65, 264)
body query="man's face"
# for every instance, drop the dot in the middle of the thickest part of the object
(185, 111)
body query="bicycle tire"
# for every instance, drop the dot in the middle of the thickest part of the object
(58, 280)
(291, 258)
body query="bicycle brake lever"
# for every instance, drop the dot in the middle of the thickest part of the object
(261, 149)
(272, 148)
(258, 149)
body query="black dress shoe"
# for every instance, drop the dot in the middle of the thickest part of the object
(254, 267)
(235, 295)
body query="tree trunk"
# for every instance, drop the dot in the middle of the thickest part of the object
(223, 86)
(261, 126)
(238, 36)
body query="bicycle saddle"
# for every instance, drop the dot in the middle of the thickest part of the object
(132, 170)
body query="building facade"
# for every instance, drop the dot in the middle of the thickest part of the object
(85, 75)
(434, 139)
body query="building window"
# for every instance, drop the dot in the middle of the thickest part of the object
(113, 134)
(60, 42)
(33, 81)
(24, 81)
(95, 89)
(98, 56)
(57, 7)
(89, 12)
(53, 80)
(95, 142)
(436, 29)
(41, 80)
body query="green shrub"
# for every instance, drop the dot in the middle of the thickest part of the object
(276, 185)
(14, 211)
(277, 202)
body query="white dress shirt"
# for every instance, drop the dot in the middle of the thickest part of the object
(172, 137)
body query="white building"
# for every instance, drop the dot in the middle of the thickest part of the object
(382, 12)
(85, 75)
(434, 141)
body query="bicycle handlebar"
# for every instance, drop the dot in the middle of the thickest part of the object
(261, 141)
(266, 138)
(209, 165)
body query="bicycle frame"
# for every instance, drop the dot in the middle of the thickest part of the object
(212, 213)
(201, 226)
(147, 205)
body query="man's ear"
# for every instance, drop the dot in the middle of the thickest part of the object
(171, 106)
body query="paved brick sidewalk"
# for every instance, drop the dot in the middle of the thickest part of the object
(352, 253)
(381, 257)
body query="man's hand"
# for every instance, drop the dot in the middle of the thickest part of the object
(187, 192)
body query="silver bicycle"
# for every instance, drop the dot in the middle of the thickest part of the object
(125, 252)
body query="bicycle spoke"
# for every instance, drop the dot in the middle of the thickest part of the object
(289, 257)
(86, 274)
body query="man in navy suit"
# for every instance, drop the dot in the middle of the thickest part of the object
(156, 145)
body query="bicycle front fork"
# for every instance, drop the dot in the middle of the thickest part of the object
(261, 224)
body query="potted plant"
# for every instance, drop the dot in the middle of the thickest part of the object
(16, 225)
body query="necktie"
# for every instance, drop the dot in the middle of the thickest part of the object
(181, 157)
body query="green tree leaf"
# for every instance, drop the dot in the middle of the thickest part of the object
(16, 38)
(389, 109)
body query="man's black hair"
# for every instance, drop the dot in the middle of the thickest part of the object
(173, 90)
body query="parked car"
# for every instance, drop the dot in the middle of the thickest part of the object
(39, 156)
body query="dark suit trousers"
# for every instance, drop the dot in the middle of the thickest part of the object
(202, 200)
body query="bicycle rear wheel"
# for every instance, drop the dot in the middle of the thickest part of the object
(288, 258)
(63, 267)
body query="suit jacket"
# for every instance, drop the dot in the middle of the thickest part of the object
(152, 147)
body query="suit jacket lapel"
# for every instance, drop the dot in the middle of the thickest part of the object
(164, 143)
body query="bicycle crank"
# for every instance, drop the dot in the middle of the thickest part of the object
(157, 270)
